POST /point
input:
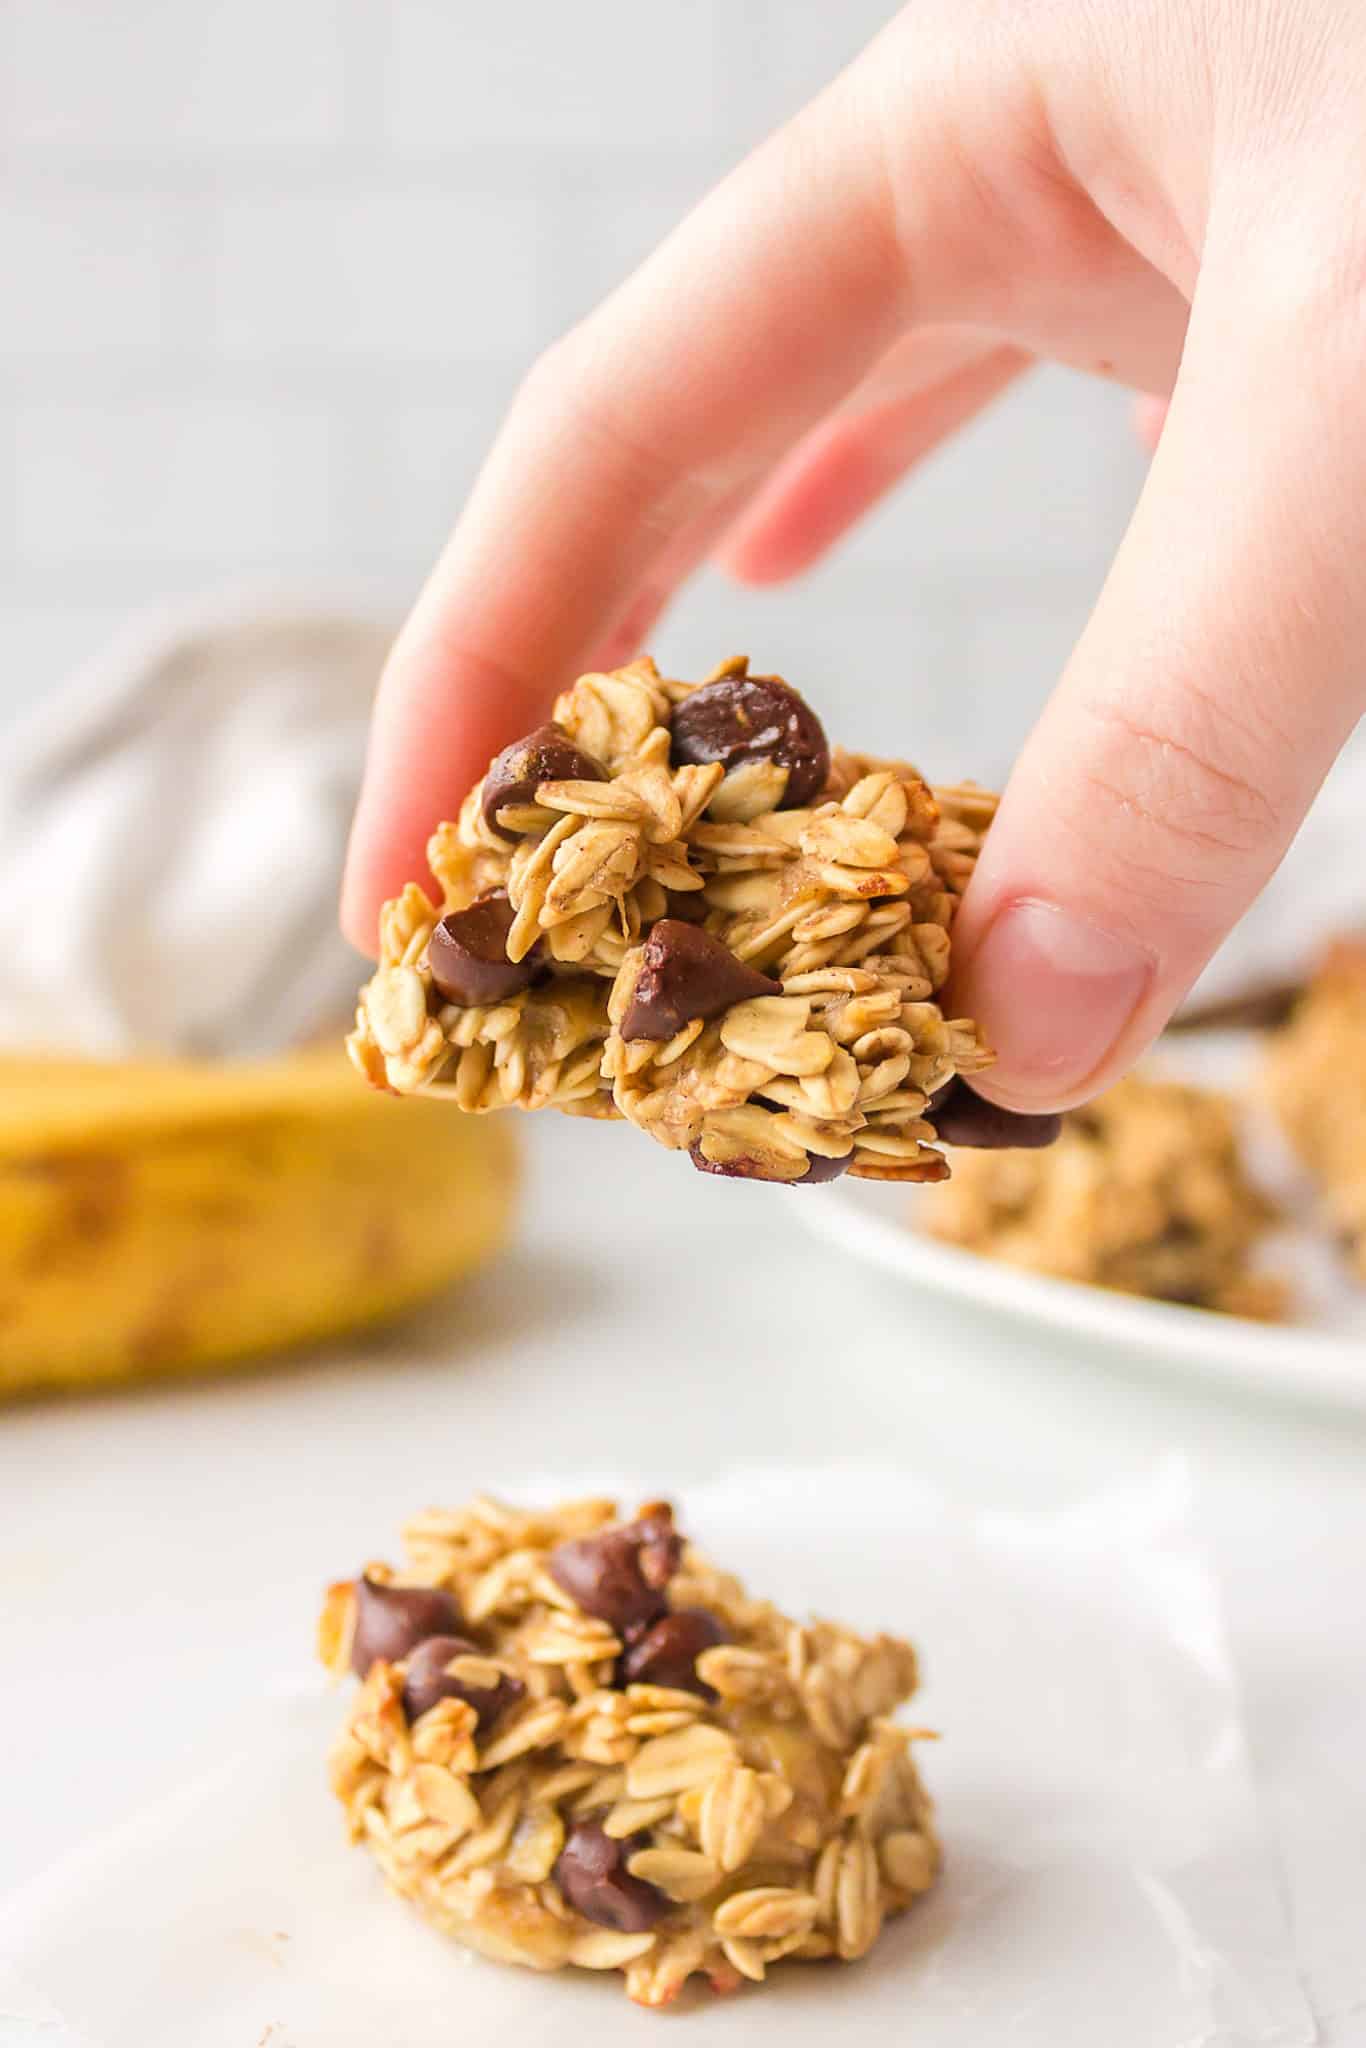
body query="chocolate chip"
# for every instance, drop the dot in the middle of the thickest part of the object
(667, 1652)
(820, 1168)
(546, 755)
(429, 1681)
(468, 953)
(754, 718)
(620, 1575)
(591, 1872)
(962, 1118)
(392, 1620)
(686, 973)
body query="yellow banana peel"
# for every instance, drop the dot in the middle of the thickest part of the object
(159, 1217)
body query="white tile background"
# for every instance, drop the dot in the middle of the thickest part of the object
(271, 269)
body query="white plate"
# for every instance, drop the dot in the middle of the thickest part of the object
(1321, 1355)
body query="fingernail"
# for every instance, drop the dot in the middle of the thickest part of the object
(1053, 993)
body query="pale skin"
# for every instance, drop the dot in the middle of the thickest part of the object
(1171, 193)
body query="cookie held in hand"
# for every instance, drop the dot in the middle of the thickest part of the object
(606, 1754)
(677, 904)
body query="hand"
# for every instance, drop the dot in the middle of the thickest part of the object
(1165, 191)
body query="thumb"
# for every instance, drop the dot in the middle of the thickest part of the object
(1217, 679)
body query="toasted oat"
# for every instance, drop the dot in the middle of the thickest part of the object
(1144, 1192)
(843, 901)
(778, 1814)
(1316, 1077)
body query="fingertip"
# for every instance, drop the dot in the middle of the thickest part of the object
(359, 928)
(751, 566)
(792, 524)
(1150, 416)
(1058, 997)
(1022, 1099)
(757, 549)
(361, 901)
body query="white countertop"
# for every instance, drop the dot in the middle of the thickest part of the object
(166, 1549)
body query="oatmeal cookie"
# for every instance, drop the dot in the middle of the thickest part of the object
(576, 1741)
(678, 905)
(1145, 1191)
(1317, 1081)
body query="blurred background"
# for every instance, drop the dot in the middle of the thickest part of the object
(273, 270)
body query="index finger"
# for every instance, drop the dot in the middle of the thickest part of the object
(738, 334)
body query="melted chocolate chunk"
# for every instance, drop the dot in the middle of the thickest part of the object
(620, 1575)
(392, 1620)
(822, 1169)
(754, 718)
(666, 1653)
(546, 755)
(962, 1118)
(591, 1872)
(686, 973)
(428, 1681)
(467, 954)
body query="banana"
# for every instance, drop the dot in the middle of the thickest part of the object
(158, 1217)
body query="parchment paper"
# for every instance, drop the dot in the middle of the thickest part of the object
(1106, 1886)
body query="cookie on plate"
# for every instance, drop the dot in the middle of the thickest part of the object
(1317, 1081)
(1145, 1191)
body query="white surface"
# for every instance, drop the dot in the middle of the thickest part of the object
(1106, 1877)
(165, 1549)
(273, 499)
(1318, 1353)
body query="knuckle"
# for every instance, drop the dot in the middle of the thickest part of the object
(544, 376)
(574, 399)
(1164, 821)
(1195, 791)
